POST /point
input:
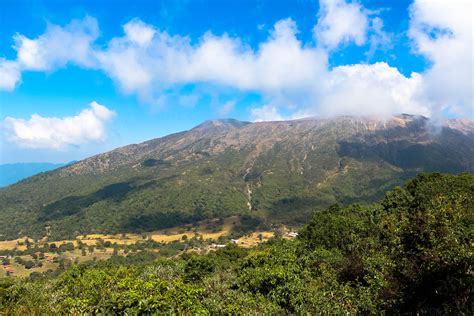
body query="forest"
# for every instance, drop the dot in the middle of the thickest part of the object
(409, 253)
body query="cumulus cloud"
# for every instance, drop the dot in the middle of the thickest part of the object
(371, 89)
(124, 64)
(443, 32)
(280, 63)
(340, 22)
(138, 32)
(291, 76)
(55, 133)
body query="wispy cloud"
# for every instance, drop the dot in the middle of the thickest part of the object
(10, 74)
(227, 108)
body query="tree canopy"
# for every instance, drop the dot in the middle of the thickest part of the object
(412, 252)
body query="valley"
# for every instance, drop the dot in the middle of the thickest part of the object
(48, 256)
(400, 253)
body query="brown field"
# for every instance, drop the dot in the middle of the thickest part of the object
(207, 230)
(254, 239)
(165, 235)
(17, 243)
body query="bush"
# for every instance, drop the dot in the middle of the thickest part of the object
(29, 264)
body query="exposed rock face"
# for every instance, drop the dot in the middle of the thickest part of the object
(279, 170)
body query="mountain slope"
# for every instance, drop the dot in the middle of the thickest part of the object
(11, 173)
(277, 171)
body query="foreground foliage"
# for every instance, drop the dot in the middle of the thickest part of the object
(410, 253)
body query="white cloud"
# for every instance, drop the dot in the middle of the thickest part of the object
(340, 22)
(443, 32)
(265, 113)
(10, 74)
(125, 65)
(290, 76)
(138, 32)
(280, 63)
(55, 133)
(58, 46)
(371, 89)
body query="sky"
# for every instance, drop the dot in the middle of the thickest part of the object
(82, 77)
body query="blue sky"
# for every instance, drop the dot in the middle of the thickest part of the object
(101, 74)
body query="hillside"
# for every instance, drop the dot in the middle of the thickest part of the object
(274, 171)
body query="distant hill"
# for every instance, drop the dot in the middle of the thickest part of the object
(11, 173)
(274, 172)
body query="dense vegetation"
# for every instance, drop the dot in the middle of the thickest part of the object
(283, 170)
(409, 253)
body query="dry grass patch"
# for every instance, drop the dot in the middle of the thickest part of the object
(16, 243)
(254, 239)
